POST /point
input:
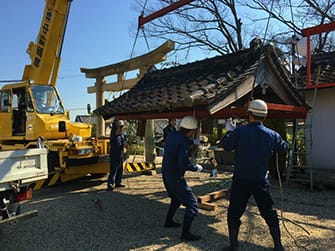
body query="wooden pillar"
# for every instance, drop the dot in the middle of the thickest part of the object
(207, 126)
(120, 77)
(100, 123)
(142, 71)
(149, 144)
(219, 128)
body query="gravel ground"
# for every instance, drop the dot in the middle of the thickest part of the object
(131, 218)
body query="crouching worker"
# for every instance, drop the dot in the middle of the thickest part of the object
(254, 144)
(176, 162)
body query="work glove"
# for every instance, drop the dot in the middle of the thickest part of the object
(199, 167)
(230, 124)
(196, 142)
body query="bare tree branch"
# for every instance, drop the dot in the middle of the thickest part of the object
(225, 26)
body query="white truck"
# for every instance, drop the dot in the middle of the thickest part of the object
(19, 170)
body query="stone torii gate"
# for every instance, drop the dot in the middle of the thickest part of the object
(141, 63)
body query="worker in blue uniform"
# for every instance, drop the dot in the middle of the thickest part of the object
(176, 161)
(171, 127)
(253, 144)
(117, 145)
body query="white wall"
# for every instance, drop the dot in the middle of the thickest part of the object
(323, 128)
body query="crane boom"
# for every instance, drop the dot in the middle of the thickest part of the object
(32, 112)
(46, 51)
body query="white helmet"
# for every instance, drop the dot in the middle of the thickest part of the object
(258, 108)
(119, 123)
(189, 122)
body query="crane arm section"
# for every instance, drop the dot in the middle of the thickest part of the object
(46, 51)
(142, 20)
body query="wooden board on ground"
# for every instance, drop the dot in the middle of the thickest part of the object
(205, 200)
(20, 217)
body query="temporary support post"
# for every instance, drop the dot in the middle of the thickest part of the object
(308, 32)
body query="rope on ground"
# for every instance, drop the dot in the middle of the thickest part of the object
(301, 238)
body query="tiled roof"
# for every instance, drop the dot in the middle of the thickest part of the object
(211, 84)
(322, 69)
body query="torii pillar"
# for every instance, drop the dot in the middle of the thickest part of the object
(141, 63)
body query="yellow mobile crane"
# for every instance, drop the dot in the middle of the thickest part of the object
(32, 110)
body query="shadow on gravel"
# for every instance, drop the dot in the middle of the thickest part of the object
(82, 215)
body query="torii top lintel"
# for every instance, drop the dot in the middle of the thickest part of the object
(153, 57)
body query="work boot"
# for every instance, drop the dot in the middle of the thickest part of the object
(233, 236)
(186, 234)
(230, 248)
(275, 233)
(169, 223)
(5, 213)
(110, 188)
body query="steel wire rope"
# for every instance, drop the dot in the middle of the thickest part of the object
(131, 56)
(133, 49)
(124, 77)
(283, 219)
(262, 47)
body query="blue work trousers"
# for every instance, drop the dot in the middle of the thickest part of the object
(241, 190)
(181, 194)
(115, 172)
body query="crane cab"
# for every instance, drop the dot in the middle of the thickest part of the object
(29, 111)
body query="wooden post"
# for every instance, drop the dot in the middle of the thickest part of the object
(149, 144)
(219, 128)
(100, 123)
(142, 63)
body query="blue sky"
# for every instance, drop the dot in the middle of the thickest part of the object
(99, 32)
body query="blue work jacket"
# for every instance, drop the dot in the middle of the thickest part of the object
(254, 144)
(176, 159)
(167, 130)
(117, 144)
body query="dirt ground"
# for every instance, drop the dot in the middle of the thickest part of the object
(81, 215)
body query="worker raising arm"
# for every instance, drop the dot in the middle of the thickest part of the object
(254, 144)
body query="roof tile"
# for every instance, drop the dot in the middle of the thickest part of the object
(210, 84)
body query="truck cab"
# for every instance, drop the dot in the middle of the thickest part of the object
(35, 111)
(31, 110)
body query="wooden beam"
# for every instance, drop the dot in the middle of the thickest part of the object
(166, 115)
(204, 200)
(115, 86)
(245, 87)
(213, 196)
(277, 111)
(323, 85)
(318, 29)
(153, 57)
(207, 206)
(286, 108)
